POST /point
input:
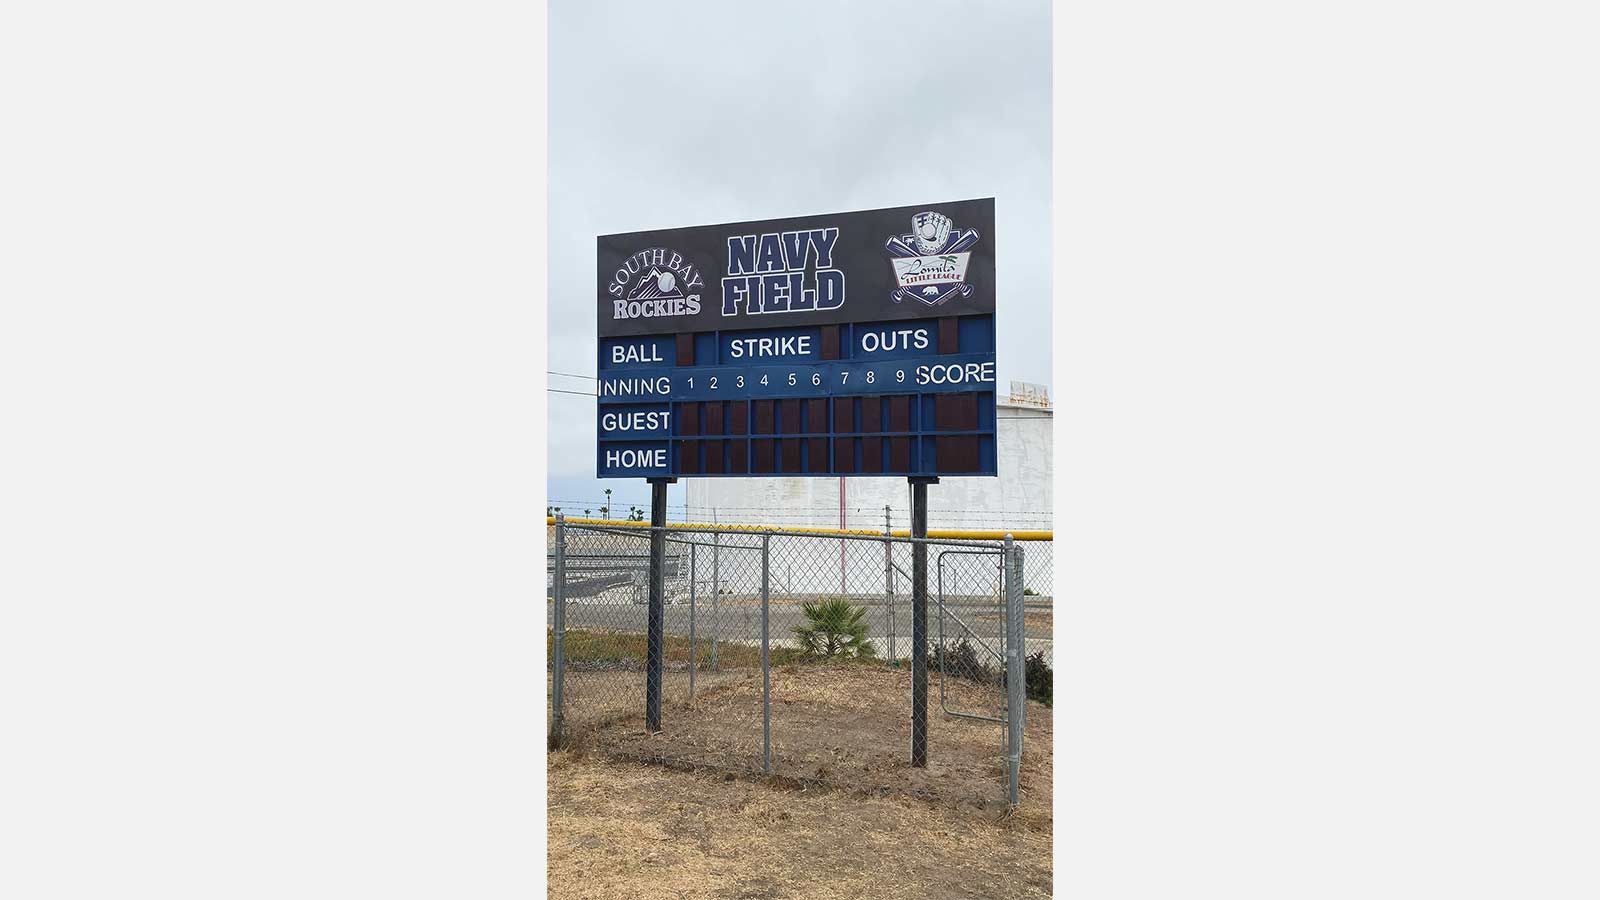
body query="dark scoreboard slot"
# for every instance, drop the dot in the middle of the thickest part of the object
(817, 415)
(955, 412)
(761, 456)
(738, 457)
(900, 454)
(714, 418)
(872, 454)
(685, 349)
(899, 415)
(689, 457)
(739, 417)
(844, 418)
(830, 342)
(844, 455)
(949, 335)
(817, 455)
(762, 423)
(788, 416)
(716, 451)
(688, 418)
(789, 455)
(871, 413)
(956, 453)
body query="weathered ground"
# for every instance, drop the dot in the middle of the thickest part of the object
(687, 813)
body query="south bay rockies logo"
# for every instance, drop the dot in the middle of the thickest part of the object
(653, 283)
(930, 263)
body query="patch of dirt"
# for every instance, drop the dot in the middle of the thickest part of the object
(625, 830)
(844, 727)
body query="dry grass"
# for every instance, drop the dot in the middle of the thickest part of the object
(593, 646)
(625, 830)
(842, 816)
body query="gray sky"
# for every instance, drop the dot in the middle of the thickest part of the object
(693, 113)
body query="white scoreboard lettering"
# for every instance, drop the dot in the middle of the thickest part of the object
(632, 458)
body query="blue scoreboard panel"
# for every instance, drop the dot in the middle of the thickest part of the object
(854, 344)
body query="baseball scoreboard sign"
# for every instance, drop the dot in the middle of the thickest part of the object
(859, 343)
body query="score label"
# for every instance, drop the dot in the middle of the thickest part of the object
(627, 460)
(636, 421)
(783, 346)
(895, 342)
(638, 352)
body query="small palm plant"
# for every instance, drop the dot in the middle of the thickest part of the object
(834, 627)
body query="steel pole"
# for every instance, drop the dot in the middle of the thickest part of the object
(654, 661)
(716, 599)
(766, 661)
(558, 678)
(692, 645)
(888, 583)
(919, 620)
(1016, 689)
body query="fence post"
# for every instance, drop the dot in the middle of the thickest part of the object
(766, 661)
(1016, 688)
(716, 598)
(692, 646)
(888, 583)
(558, 678)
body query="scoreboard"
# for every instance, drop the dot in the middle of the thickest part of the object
(850, 344)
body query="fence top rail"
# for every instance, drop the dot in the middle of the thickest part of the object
(946, 533)
(755, 534)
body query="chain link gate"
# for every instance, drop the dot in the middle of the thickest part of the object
(741, 680)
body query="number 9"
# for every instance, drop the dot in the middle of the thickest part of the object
(900, 375)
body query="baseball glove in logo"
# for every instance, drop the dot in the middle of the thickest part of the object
(930, 263)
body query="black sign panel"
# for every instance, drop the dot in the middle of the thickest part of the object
(906, 262)
(858, 343)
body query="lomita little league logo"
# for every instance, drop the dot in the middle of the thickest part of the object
(930, 263)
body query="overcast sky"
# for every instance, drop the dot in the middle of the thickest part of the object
(707, 111)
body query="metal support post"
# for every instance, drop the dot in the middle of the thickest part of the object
(1016, 689)
(692, 645)
(716, 599)
(888, 584)
(654, 657)
(558, 678)
(919, 619)
(766, 660)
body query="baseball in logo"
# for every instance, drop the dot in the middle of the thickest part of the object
(653, 283)
(930, 262)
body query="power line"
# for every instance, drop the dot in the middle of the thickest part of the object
(560, 391)
(570, 375)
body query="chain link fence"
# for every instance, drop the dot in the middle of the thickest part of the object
(790, 654)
